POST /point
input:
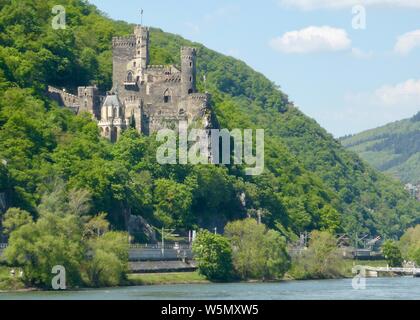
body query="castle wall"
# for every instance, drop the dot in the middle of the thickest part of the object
(90, 101)
(124, 50)
(64, 98)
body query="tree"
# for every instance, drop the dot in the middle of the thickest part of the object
(321, 260)
(214, 256)
(409, 244)
(90, 254)
(15, 218)
(258, 253)
(392, 253)
(172, 203)
(108, 263)
(51, 241)
(96, 227)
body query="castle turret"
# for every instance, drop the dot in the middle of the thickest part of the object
(188, 70)
(142, 47)
(112, 121)
(89, 100)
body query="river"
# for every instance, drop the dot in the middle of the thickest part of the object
(376, 288)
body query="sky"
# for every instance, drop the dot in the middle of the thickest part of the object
(350, 64)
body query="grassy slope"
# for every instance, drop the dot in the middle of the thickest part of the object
(166, 278)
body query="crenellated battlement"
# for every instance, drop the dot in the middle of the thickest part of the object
(63, 97)
(128, 41)
(199, 96)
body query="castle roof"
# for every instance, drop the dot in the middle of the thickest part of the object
(112, 101)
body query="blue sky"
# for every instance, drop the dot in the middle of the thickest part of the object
(348, 79)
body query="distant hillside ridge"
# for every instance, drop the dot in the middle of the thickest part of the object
(393, 148)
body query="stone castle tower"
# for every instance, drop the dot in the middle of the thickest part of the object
(143, 96)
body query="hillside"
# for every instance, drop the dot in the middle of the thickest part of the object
(311, 181)
(393, 148)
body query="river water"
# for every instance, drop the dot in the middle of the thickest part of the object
(376, 288)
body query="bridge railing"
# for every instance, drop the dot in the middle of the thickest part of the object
(159, 246)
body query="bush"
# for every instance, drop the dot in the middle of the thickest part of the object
(109, 262)
(64, 236)
(258, 253)
(214, 256)
(392, 254)
(409, 244)
(15, 218)
(322, 259)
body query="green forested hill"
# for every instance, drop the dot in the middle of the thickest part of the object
(311, 181)
(393, 148)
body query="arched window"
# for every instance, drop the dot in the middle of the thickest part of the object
(130, 77)
(167, 97)
(190, 91)
(107, 132)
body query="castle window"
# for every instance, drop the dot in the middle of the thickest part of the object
(134, 64)
(167, 96)
(130, 77)
(190, 64)
(190, 91)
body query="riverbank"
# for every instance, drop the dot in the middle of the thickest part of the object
(8, 282)
(147, 279)
(195, 278)
(13, 284)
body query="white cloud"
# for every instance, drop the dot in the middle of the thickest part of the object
(407, 42)
(365, 110)
(391, 96)
(402, 94)
(312, 39)
(343, 4)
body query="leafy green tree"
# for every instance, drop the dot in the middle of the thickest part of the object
(109, 262)
(214, 256)
(392, 253)
(62, 235)
(52, 240)
(409, 244)
(172, 203)
(96, 227)
(321, 260)
(258, 253)
(14, 219)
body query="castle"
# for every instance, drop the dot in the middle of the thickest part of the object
(145, 97)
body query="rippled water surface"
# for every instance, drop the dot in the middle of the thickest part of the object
(379, 288)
